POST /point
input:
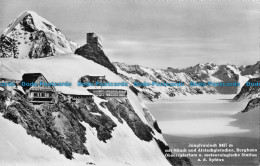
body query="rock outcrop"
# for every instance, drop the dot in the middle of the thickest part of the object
(253, 103)
(123, 111)
(97, 55)
(249, 91)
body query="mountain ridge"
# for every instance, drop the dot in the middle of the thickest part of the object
(204, 73)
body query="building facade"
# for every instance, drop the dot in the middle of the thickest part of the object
(78, 98)
(106, 93)
(37, 94)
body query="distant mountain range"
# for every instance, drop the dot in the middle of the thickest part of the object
(208, 72)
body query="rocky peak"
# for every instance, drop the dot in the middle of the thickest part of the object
(32, 36)
(253, 103)
(174, 70)
(133, 69)
(95, 54)
(200, 69)
(249, 92)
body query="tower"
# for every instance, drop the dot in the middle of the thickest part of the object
(93, 40)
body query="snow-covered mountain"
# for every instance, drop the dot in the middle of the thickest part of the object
(253, 90)
(253, 70)
(139, 74)
(116, 131)
(253, 104)
(202, 69)
(219, 73)
(32, 36)
(230, 74)
(204, 73)
(249, 91)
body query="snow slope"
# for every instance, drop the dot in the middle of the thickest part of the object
(19, 148)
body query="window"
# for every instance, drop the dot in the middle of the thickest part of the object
(35, 94)
(42, 94)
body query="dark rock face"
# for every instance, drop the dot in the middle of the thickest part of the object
(157, 128)
(122, 110)
(251, 69)
(97, 55)
(228, 76)
(176, 161)
(132, 69)
(174, 70)
(8, 48)
(133, 89)
(248, 91)
(28, 23)
(252, 104)
(58, 125)
(103, 123)
(40, 46)
(33, 38)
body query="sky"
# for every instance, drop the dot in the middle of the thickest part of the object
(155, 33)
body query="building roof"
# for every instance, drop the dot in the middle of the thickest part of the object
(31, 78)
(105, 89)
(75, 92)
(8, 79)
